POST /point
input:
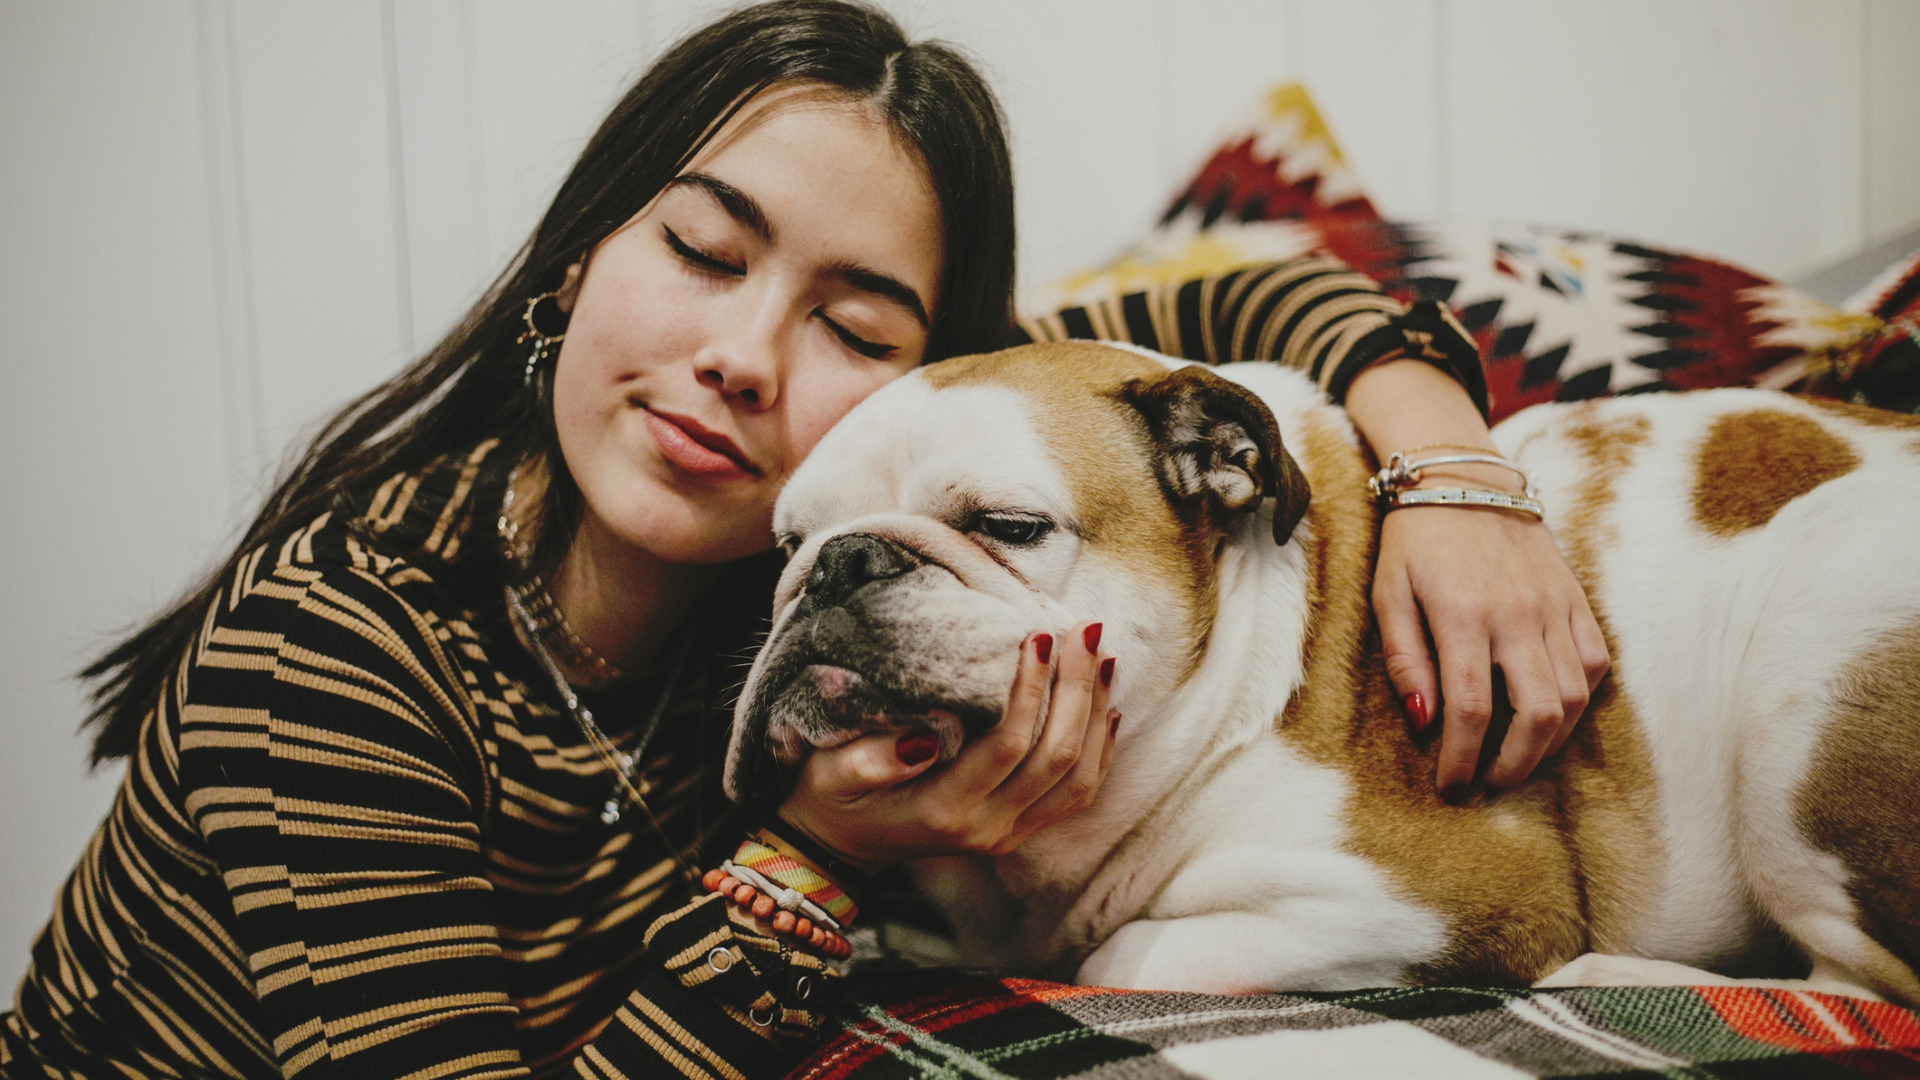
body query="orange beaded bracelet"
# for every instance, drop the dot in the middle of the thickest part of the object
(785, 923)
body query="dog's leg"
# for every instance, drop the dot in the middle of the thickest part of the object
(1603, 969)
(1236, 953)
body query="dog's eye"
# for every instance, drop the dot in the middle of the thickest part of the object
(1019, 529)
(789, 543)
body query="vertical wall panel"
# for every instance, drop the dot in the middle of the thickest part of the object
(1077, 85)
(1730, 126)
(1219, 58)
(1893, 117)
(114, 480)
(1371, 65)
(544, 77)
(322, 195)
(249, 455)
(439, 134)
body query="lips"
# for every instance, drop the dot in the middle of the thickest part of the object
(697, 449)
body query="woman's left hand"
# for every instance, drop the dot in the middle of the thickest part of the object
(1493, 591)
(1482, 588)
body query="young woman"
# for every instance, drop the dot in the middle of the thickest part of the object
(424, 781)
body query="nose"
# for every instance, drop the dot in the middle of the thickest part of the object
(847, 564)
(743, 363)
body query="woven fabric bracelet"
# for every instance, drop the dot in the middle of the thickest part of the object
(783, 872)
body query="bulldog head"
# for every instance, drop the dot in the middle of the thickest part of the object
(983, 499)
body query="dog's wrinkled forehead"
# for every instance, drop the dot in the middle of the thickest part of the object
(1037, 426)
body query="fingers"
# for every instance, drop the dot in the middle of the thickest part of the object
(1075, 790)
(1076, 686)
(1590, 643)
(869, 763)
(1533, 686)
(986, 763)
(1403, 638)
(1466, 689)
(1571, 673)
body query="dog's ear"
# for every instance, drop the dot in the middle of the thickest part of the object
(1219, 449)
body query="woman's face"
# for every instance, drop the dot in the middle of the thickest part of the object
(788, 272)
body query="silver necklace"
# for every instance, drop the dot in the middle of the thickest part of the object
(622, 764)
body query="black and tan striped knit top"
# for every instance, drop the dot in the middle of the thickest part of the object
(361, 836)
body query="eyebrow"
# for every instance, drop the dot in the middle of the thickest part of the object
(739, 205)
(867, 279)
(746, 210)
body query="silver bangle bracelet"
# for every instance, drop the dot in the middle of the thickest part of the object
(1400, 473)
(1498, 500)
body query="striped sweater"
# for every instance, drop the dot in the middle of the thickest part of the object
(360, 835)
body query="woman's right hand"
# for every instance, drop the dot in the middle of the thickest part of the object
(880, 799)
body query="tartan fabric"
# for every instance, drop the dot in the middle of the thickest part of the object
(947, 1024)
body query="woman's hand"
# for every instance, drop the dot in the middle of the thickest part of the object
(1480, 588)
(1492, 590)
(879, 800)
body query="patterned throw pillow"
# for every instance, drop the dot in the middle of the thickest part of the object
(1890, 376)
(1559, 315)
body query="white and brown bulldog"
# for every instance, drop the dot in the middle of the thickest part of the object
(1748, 775)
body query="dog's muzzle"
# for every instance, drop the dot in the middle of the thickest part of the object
(855, 657)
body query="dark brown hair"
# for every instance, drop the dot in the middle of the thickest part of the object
(469, 387)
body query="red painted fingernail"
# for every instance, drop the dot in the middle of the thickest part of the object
(1043, 647)
(1417, 708)
(1454, 795)
(1113, 722)
(1106, 672)
(916, 748)
(1091, 635)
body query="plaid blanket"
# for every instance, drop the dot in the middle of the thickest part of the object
(933, 1024)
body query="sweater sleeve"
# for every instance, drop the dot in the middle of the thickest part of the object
(1312, 313)
(333, 766)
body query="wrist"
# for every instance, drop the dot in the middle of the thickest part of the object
(1401, 405)
(793, 823)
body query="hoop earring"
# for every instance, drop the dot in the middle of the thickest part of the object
(542, 341)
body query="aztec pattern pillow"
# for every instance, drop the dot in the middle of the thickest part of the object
(1890, 377)
(1559, 315)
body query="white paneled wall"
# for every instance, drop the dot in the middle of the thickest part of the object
(220, 220)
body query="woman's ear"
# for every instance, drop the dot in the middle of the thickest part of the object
(569, 289)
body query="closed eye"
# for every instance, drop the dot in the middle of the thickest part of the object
(1015, 529)
(699, 259)
(873, 350)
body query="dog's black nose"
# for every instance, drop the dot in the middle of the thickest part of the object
(846, 563)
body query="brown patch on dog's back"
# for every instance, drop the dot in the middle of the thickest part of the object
(1533, 877)
(1861, 798)
(1609, 792)
(1754, 463)
(1609, 444)
(1500, 876)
